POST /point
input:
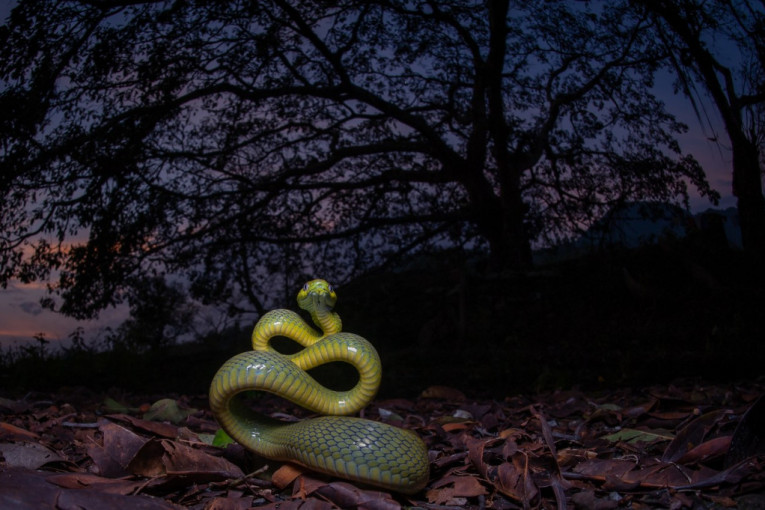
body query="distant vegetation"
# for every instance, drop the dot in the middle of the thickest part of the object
(679, 308)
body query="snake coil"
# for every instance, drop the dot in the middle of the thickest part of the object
(361, 450)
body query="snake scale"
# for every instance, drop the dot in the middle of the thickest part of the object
(357, 449)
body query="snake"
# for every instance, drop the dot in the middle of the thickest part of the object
(356, 449)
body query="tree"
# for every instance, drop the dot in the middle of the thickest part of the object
(237, 142)
(700, 36)
(159, 314)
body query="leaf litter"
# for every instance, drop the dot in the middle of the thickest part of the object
(684, 445)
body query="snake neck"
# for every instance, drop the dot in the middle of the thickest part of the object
(329, 321)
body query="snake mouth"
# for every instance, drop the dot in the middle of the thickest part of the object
(317, 295)
(322, 300)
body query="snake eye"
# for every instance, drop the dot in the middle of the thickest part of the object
(331, 288)
(305, 288)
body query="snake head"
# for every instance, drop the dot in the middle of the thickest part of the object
(317, 295)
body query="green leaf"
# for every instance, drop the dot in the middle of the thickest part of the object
(222, 439)
(629, 435)
(167, 409)
(112, 406)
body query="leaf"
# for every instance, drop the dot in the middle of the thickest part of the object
(286, 474)
(707, 450)
(13, 433)
(347, 495)
(169, 458)
(389, 416)
(629, 435)
(94, 482)
(692, 435)
(158, 428)
(22, 488)
(222, 439)
(27, 455)
(112, 406)
(447, 489)
(167, 409)
(749, 437)
(118, 447)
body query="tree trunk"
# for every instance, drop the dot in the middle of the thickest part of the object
(747, 183)
(504, 229)
(747, 188)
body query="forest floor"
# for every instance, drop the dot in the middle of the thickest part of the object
(683, 445)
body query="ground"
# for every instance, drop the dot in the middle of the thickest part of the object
(685, 445)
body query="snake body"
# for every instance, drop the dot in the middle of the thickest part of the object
(362, 450)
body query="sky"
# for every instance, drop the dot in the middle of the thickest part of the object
(22, 317)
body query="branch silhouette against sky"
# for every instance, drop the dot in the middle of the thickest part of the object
(243, 145)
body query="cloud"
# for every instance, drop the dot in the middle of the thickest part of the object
(31, 307)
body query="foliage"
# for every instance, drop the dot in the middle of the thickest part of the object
(699, 36)
(245, 144)
(159, 315)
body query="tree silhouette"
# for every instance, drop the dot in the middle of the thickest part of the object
(239, 142)
(159, 315)
(700, 36)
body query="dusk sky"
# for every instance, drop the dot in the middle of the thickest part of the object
(21, 316)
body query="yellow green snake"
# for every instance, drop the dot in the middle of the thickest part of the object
(361, 450)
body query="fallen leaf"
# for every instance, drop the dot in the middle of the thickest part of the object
(11, 432)
(692, 435)
(161, 429)
(168, 458)
(111, 406)
(27, 455)
(749, 437)
(588, 499)
(22, 488)
(448, 488)
(229, 504)
(285, 475)
(94, 482)
(629, 435)
(346, 495)
(118, 448)
(167, 409)
(711, 449)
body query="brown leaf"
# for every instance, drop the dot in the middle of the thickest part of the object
(707, 450)
(599, 469)
(157, 428)
(28, 455)
(459, 425)
(165, 457)
(464, 486)
(285, 475)
(346, 495)
(9, 432)
(118, 449)
(749, 437)
(445, 496)
(692, 435)
(94, 482)
(588, 499)
(514, 479)
(23, 488)
(229, 504)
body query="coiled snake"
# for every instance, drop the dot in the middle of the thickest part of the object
(362, 450)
